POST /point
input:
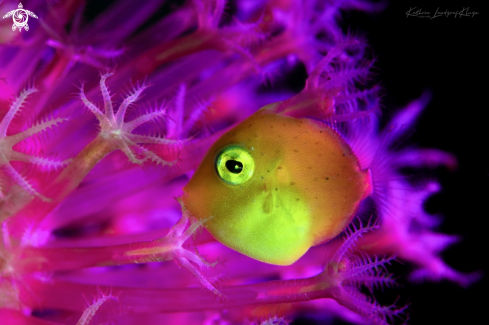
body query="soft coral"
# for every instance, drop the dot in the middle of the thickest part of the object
(7, 154)
(118, 134)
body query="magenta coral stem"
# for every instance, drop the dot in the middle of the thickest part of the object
(183, 299)
(15, 317)
(56, 259)
(81, 165)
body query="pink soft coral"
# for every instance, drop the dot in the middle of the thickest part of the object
(76, 227)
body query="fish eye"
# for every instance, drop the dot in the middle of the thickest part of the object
(235, 165)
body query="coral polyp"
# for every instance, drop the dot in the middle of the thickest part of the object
(7, 154)
(208, 190)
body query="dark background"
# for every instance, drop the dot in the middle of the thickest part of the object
(444, 55)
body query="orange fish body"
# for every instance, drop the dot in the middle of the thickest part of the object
(275, 185)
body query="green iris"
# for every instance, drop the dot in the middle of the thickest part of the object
(235, 165)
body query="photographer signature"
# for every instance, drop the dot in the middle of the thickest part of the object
(419, 13)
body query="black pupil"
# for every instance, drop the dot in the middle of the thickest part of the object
(234, 166)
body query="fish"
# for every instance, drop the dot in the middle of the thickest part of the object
(276, 185)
